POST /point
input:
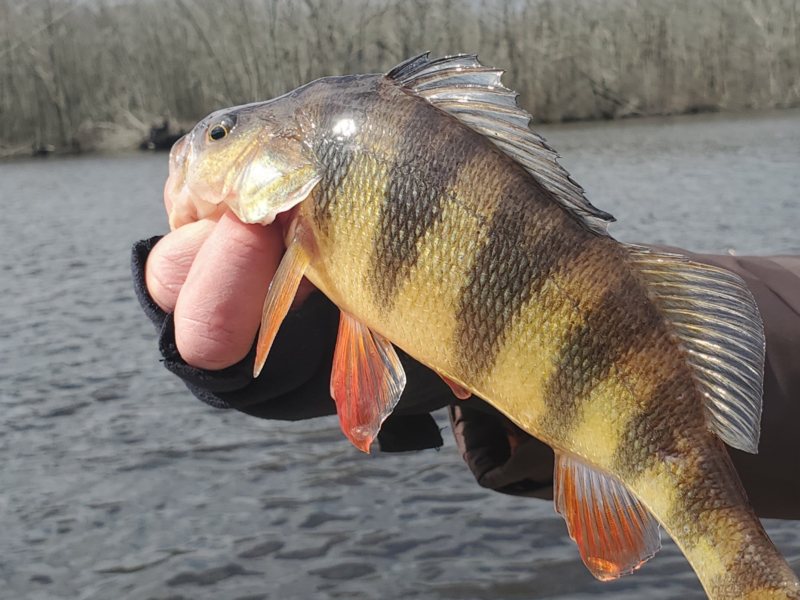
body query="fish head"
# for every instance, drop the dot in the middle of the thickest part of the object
(251, 158)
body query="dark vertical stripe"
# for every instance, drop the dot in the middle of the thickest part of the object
(329, 101)
(587, 352)
(526, 242)
(336, 159)
(663, 419)
(658, 431)
(428, 154)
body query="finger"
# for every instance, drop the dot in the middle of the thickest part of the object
(219, 307)
(170, 260)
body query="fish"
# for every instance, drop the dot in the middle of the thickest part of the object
(421, 203)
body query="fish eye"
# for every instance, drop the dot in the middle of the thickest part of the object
(221, 129)
(217, 132)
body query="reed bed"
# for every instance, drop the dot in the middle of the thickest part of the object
(88, 74)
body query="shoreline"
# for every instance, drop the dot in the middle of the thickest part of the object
(104, 75)
(104, 148)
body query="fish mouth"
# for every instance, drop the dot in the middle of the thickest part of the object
(186, 206)
(187, 202)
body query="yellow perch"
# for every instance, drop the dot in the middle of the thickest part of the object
(423, 206)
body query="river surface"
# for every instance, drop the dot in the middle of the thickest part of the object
(115, 483)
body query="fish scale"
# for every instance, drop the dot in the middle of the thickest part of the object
(421, 206)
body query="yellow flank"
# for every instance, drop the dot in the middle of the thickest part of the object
(426, 302)
(526, 360)
(705, 558)
(656, 488)
(603, 418)
(344, 267)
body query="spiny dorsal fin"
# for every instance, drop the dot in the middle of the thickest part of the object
(615, 533)
(473, 93)
(715, 317)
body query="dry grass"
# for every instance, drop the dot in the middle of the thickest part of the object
(79, 74)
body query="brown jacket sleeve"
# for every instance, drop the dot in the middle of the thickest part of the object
(505, 459)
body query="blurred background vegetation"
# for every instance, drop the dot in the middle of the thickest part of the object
(98, 74)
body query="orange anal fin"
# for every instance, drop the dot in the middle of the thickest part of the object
(366, 382)
(615, 533)
(460, 392)
(279, 298)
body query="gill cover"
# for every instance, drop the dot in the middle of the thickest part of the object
(274, 177)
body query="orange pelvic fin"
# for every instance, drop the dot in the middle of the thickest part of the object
(279, 298)
(461, 393)
(366, 382)
(615, 533)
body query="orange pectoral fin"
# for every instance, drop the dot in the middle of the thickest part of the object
(366, 382)
(279, 298)
(615, 533)
(461, 393)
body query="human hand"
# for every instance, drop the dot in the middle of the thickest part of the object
(214, 274)
(501, 456)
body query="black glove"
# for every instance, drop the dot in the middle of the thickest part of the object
(501, 456)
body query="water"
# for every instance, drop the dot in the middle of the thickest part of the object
(116, 483)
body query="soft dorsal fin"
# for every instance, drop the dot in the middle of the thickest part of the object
(473, 93)
(615, 533)
(715, 317)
